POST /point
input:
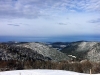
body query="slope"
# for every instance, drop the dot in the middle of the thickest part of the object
(46, 51)
(84, 50)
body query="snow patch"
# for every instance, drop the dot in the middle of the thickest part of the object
(42, 72)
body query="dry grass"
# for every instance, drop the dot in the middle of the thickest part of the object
(83, 67)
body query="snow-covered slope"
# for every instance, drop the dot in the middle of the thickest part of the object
(46, 51)
(42, 72)
(84, 50)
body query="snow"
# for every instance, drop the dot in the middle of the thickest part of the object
(42, 72)
(86, 45)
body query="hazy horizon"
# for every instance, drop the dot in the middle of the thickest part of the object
(49, 39)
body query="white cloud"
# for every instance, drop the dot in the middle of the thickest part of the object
(76, 25)
(36, 8)
(95, 21)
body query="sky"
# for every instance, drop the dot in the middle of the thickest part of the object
(49, 20)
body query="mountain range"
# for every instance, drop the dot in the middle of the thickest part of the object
(56, 51)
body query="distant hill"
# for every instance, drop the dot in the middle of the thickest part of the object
(59, 45)
(29, 51)
(84, 50)
(46, 51)
(14, 52)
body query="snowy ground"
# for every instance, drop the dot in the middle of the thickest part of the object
(41, 72)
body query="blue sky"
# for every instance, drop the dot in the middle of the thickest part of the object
(50, 19)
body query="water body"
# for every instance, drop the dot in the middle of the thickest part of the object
(49, 39)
